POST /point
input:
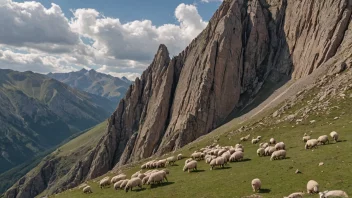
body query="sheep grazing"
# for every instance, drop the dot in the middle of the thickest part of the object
(280, 154)
(226, 155)
(188, 160)
(306, 138)
(323, 139)
(141, 175)
(136, 174)
(259, 137)
(197, 156)
(134, 182)
(269, 150)
(179, 156)
(145, 179)
(87, 189)
(192, 165)
(295, 195)
(171, 160)
(243, 139)
(256, 185)
(166, 171)
(239, 149)
(312, 187)
(124, 183)
(118, 184)
(280, 146)
(263, 145)
(333, 193)
(312, 143)
(237, 156)
(272, 141)
(255, 141)
(104, 182)
(260, 152)
(334, 136)
(221, 151)
(118, 178)
(157, 177)
(238, 146)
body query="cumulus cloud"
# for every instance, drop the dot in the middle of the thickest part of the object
(31, 24)
(43, 40)
(208, 1)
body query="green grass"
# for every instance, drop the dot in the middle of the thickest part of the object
(278, 177)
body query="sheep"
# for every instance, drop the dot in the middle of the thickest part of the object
(135, 174)
(269, 150)
(141, 175)
(134, 182)
(263, 145)
(260, 152)
(242, 139)
(144, 166)
(208, 159)
(118, 184)
(280, 154)
(334, 136)
(192, 165)
(280, 146)
(161, 163)
(295, 195)
(188, 160)
(256, 185)
(179, 156)
(226, 155)
(237, 156)
(124, 183)
(166, 171)
(239, 149)
(259, 137)
(171, 160)
(157, 177)
(333, 193)
(196, 156)
(312, 187)
(118, 178)
(255, 141)
(87, 189)
(272, 141)
(104, 182)
(312, 143)
(145, 179)
(238, 146)
(323, 139)
(306, 138)
(232, 150)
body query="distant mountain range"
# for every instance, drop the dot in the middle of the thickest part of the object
(38, 113)
(96, 83)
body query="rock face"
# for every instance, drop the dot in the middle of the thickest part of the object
(246, 44)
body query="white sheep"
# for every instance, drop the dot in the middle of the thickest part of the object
(171, 160)
(295, 195)
(144, 166)
(264, 145)
(118, 184)
(124, 183)
(312, 187)
(239, 149)
(323, 139)
(333, 193)
(104, 182)
(87, 189)
(221, 151)
(312, 143)
(261, 152)
(226, 155)
(197, 156)
(166, 171)
(134, 182)
(141, 175)
(179, 156)
(237, 156)
(238, 146)
(280, 154)
(272, 141)
(255, 141)
(259, 137)
(334, 136)
(256, 185)
(188, 160)
(192, 165)
(306, 138)
(136, 174)
(145, 179)
(157, 177)
(280, 146)
(118, 178)
(269, 150)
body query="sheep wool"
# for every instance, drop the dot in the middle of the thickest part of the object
(134, 182)
(333, 193)
(312, 143)
(312, 187)
(323, 139)
(87, 189)
(280, 154)
(334, 136)
(256, 185)
(261, 152)
(272, 141)
(295, 195)
(192, 165)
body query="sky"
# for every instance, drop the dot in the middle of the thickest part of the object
(114, 37)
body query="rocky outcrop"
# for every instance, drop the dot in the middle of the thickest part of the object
(246, 44)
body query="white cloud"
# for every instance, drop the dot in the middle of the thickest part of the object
(43, 40)
(208, 1)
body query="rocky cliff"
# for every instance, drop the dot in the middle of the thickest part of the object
(246, 44)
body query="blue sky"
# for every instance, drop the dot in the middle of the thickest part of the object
(115, 37)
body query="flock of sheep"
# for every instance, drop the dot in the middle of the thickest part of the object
(217, 157)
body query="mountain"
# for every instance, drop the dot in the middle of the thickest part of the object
(38, 113)
(253, 54)
(96, 83)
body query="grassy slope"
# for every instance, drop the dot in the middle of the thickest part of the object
(278, 177)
